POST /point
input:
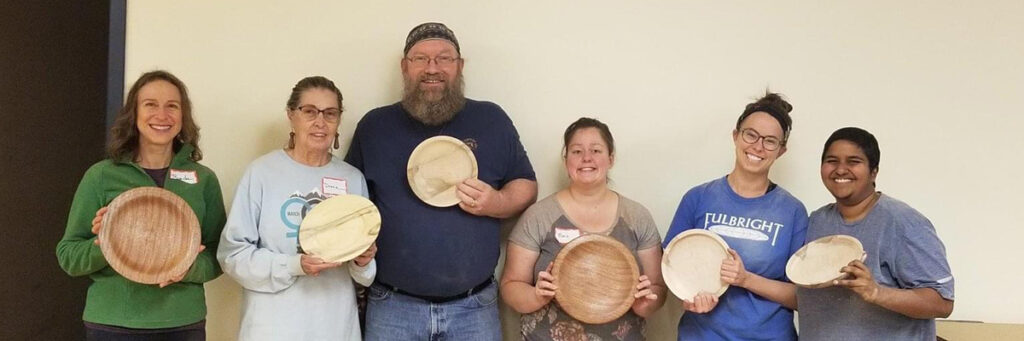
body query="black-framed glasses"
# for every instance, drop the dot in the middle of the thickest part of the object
(309, 112)
(420, 60)
(770, 143)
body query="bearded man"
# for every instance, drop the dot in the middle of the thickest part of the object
(435, 265)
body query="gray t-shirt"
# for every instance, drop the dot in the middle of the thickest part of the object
(545, 228)
(903, 251)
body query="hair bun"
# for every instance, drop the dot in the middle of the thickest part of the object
(774, 100)
(773, 104)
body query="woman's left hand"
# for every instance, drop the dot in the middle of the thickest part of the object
(178, 278)
(643, 290)
(733, 271)
(367, 255)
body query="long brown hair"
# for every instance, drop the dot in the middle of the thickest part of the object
(123, 145)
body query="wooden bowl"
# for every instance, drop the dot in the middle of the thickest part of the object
(596, 277)
(149, 235)
(817, 264)
(340, 228)
(436, 166)
(693, 263)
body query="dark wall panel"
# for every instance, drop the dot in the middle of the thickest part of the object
(53, 80)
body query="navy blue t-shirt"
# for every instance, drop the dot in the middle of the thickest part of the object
(426, 250)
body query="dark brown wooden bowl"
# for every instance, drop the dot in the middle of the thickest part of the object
(596, 277)
(149, 235)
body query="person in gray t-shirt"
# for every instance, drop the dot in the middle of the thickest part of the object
(904, 283)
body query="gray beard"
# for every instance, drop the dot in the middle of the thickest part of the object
(429, 111)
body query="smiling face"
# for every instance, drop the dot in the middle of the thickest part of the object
(433, 84)
(433, 79)
(158, 114)
(316, 134)
(846, 173)
(753, 157)
(587, 159)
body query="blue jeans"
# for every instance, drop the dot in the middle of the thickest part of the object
(394, 316)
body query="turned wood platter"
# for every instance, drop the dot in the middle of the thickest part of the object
(817, 264)
(596, 277)
(340, 228)
(149, 235)
(437, 166)
(692, 263)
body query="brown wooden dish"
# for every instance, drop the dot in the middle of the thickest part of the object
(149, 235)
(596, 277)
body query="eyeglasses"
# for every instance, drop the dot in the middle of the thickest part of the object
(420, 60)
(309, 112)
(769, 143)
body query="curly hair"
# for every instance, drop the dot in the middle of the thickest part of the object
(123, 145)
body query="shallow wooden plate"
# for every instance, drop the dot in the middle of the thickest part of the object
(149, 235)
(817, 264)
(596, 277)
(340, 228)
(693, 263)
(436, 166)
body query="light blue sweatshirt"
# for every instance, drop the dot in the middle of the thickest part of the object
(259, 246)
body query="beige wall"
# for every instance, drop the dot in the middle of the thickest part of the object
(937, 82)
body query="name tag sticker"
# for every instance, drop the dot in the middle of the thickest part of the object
(186, 176)
(566, 234)
(332, 186)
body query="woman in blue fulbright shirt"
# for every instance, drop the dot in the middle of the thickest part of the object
(763, 225)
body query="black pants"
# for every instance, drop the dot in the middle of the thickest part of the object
(194, 332)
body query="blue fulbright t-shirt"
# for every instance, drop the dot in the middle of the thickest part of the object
(765, 231)
(426, 250)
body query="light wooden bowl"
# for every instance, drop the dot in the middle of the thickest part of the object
(596, 277)
(693, 263)
(817, 264)
(149, 235)
(340, 228)
(436, 166)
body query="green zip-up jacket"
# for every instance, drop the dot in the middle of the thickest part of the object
(115, 300)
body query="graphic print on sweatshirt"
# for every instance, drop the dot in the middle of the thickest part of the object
(295, 209)
(755, 229)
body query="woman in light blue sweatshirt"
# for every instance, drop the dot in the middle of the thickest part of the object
(290, 295)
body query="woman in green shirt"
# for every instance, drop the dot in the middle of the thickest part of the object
(154, 142)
